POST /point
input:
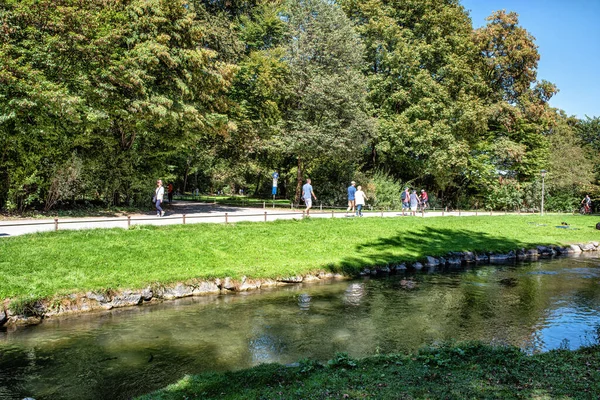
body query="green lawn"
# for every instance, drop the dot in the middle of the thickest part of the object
(57, 263)
(465, 371)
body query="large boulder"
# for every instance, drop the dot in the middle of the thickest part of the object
(100, 298)
(384, 270)
(147, 294)
(431, 261)
(400, 268)
(127, 299)
(587, 247)
(180, 290)
(3, 317)
(574, 249)
(291, 279)
(325, 275)
(229, 284)
(205, 287)
(417, 266)
(482, 258)
(468, 256)
(499, 258)
(311, 278)
(453, 261)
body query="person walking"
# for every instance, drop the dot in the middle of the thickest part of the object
(414, 202)
(159, 193)
(405, 198)
(170, 192)
(307, 195)
(351, 198)
(424, 200)
(360, 198)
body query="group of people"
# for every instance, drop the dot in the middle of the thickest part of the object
(357, 198)
(411, 201)
(159, 194)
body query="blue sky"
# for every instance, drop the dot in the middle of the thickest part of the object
(568, 37)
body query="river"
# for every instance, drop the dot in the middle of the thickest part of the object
(118, 354)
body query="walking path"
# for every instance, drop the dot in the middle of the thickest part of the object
(194, 213)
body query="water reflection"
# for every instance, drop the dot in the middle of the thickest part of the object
(354, 294)
(121, 353)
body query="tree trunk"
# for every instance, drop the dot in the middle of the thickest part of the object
(299, 179)
(258, 183)
(185, 178)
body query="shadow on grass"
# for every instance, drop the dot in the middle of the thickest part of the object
(427, 242)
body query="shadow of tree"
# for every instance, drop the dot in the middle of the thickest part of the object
(427, 242)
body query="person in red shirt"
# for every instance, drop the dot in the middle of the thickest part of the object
(424, 199)
(170, 192)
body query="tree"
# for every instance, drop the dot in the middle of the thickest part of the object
(424, 87)
(137, 82)
(325, 115)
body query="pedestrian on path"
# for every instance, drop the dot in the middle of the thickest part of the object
(351, 198)
(360, 198)
(414, 202)
(159, 193)
(307, 192)
(405, 198)
(424, 200)
(170, 192)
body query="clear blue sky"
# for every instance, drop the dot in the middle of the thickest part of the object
(568, 37)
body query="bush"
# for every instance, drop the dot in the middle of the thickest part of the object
(385, 191)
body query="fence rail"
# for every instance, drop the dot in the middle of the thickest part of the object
(227, 217)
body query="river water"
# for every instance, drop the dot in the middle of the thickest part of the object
(122, 353)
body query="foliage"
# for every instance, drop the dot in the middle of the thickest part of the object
(215, 95)
(386, 191)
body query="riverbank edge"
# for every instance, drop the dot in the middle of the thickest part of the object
(15, 313)
(466, 370)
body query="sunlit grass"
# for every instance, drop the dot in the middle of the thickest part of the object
(45, 264)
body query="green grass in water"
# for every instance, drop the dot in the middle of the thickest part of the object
(465, 371)
(57, 263)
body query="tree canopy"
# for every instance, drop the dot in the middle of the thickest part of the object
(100, 98)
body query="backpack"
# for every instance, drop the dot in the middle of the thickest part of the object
(403, 196)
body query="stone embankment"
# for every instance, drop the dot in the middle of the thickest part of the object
(27, 314)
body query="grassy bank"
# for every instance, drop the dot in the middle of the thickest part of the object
(46, 264)
(466, 371)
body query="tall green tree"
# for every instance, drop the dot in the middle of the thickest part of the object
(325, 113)
(143, 85)
(424, 87)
